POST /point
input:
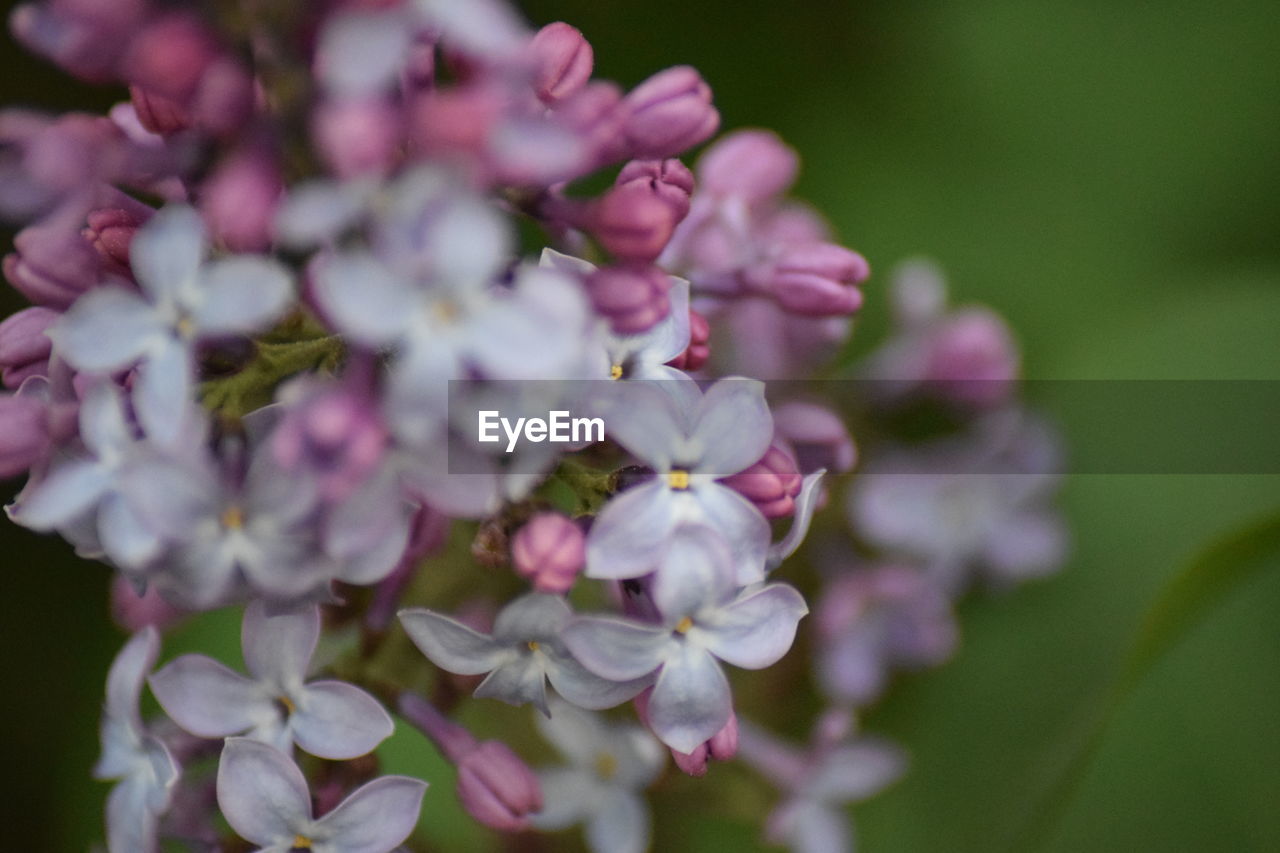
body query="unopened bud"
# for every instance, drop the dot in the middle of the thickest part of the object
(550, 551)
(632, 299)
(562, 60)
(669, 113)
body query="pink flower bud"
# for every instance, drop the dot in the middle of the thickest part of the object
(226, 97)
(240, 199)
(24, 347)
(358, 136)
(170, 55)
(817, 435)
(771, 484)
(330, 431)
(632, 223)
(550, 551)
(133, 612)
(670, 112)
(752, 164)
(497, 788)
(721, 746)
(158, 113)
(52, 264)
(24, 433)
(813, 280)
(972, 358)
(669, 180)
(111, 230)
(632, 299)
(84, 37)
(455, 121)
(699, 349)
(562, 61)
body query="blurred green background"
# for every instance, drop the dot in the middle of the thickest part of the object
(1105, 174)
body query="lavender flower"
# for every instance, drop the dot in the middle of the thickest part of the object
(265, 798)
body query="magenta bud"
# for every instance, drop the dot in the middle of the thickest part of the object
(24, 346)
(771, 484)
(814, 280)
(817, 435)
(358, 136)
(52, 263)
(632, 299)
(632, 223)
(752, 164)
(497, 788)
(111, 230)
(24, 433)
(84, 37)
(240, 199)
(455, 121)
(699, 349)
(158, 113)
(549, 550)
(562, 62)
(669, 180)
(972, 358)
(670, 112)
(332, 432)
(133, 611)
(170, 55)
(226, 97)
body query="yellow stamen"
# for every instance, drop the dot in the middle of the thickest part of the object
(615, 372)
(287, 703)
(606, 765)
(678, 479)
(301, 843)
(233, 518)
(684, 625)
(186, 327)
(533, 645)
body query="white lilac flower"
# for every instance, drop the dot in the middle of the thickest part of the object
(690, 445)
(600, 788)
(524, 652)
(705, 620)
(265, 798)
(276, 705)
(82, 494)
(817, 784)
(143, 765)
(183, 300)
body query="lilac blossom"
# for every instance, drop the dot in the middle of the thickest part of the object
(140, 762)
(705, 619)
(275, 704)
(690, 443)
(265, 798)
(183, 300)
(550, 551)
(523, 654)
(608, 767)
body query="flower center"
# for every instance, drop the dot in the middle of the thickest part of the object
(287, 704)
(606, 765)
(683, 626)
(615, 371)
(678, 479)
(533, 645)
(186, 327)
(233, 518)
(301, 842)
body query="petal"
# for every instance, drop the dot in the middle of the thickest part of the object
(241, 294)
(107, 329)
(619, 823)
(519, 681)
(646, 420)
(131, 823)
(103, 426)
(365, 299)
(125, 539)
(167, 251)
(278, 645)
(806, 503)
(809, 827)
(360, 54)
(68, 492)
(534, 616)
(337, 720)
(616, 649)
(471, 242)
(630, 534)
(208, 699)
(857, 771)
(316, 211)
(128, 671)
(757, 629)
(732, 427)
(261, 792)
(691, 700)
(164, 391)
(451, 645)
(585, 689)
(376, 818)
(172, 498)
(741, 525)
(551, 259)
(670, 337)
(697, 571)
(576, 734)
(568, 795)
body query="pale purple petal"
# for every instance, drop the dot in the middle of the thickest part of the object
(587, 690)
(365, 299)
(167, 251)
(261, 792)
(691, 699)
(630, 534)
(69, 491)
(806, 503)
(696, 571)
(451, 645)
(619, 823)
(670, 337)
(208, 699)
(317, 211)
(758, 628)
(519, 681)
(107, 329)
(645, 420)
(128, 672)
(568, 795)
(733, 427)
(338, 720)
(472, 242)
(809, 827)
(278, 646)
(1028, 544)
(125, 539)
(534, 616)
(103, 425)
(376, 818)
(131, 823)
(175, 499)
(857, 771)
(616, 649)
(741, 525)
(360, 53)
(164, 391)
(241, 294)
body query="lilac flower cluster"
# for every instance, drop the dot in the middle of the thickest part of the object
(252, 284)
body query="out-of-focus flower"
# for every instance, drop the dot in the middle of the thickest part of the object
(550, 551)
(669, 113)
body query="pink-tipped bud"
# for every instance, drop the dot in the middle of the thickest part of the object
(721, 746)
(699, 349)
(550, 551)
(669, 113)
(972, 358)
(24, 433)
(170, 55)
(158, 113)
(771, 484)
(632, 299)
(562, 61)
(240, 200)
(133, 611)
(358, 136)
(814, 280)
(669, 180)
(633, 224)
(24, 346)
(111, 230)
(497, 788)
(816, 435)
(751, 164)
(52, 263)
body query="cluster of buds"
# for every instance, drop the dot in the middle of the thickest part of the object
(235, 386)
